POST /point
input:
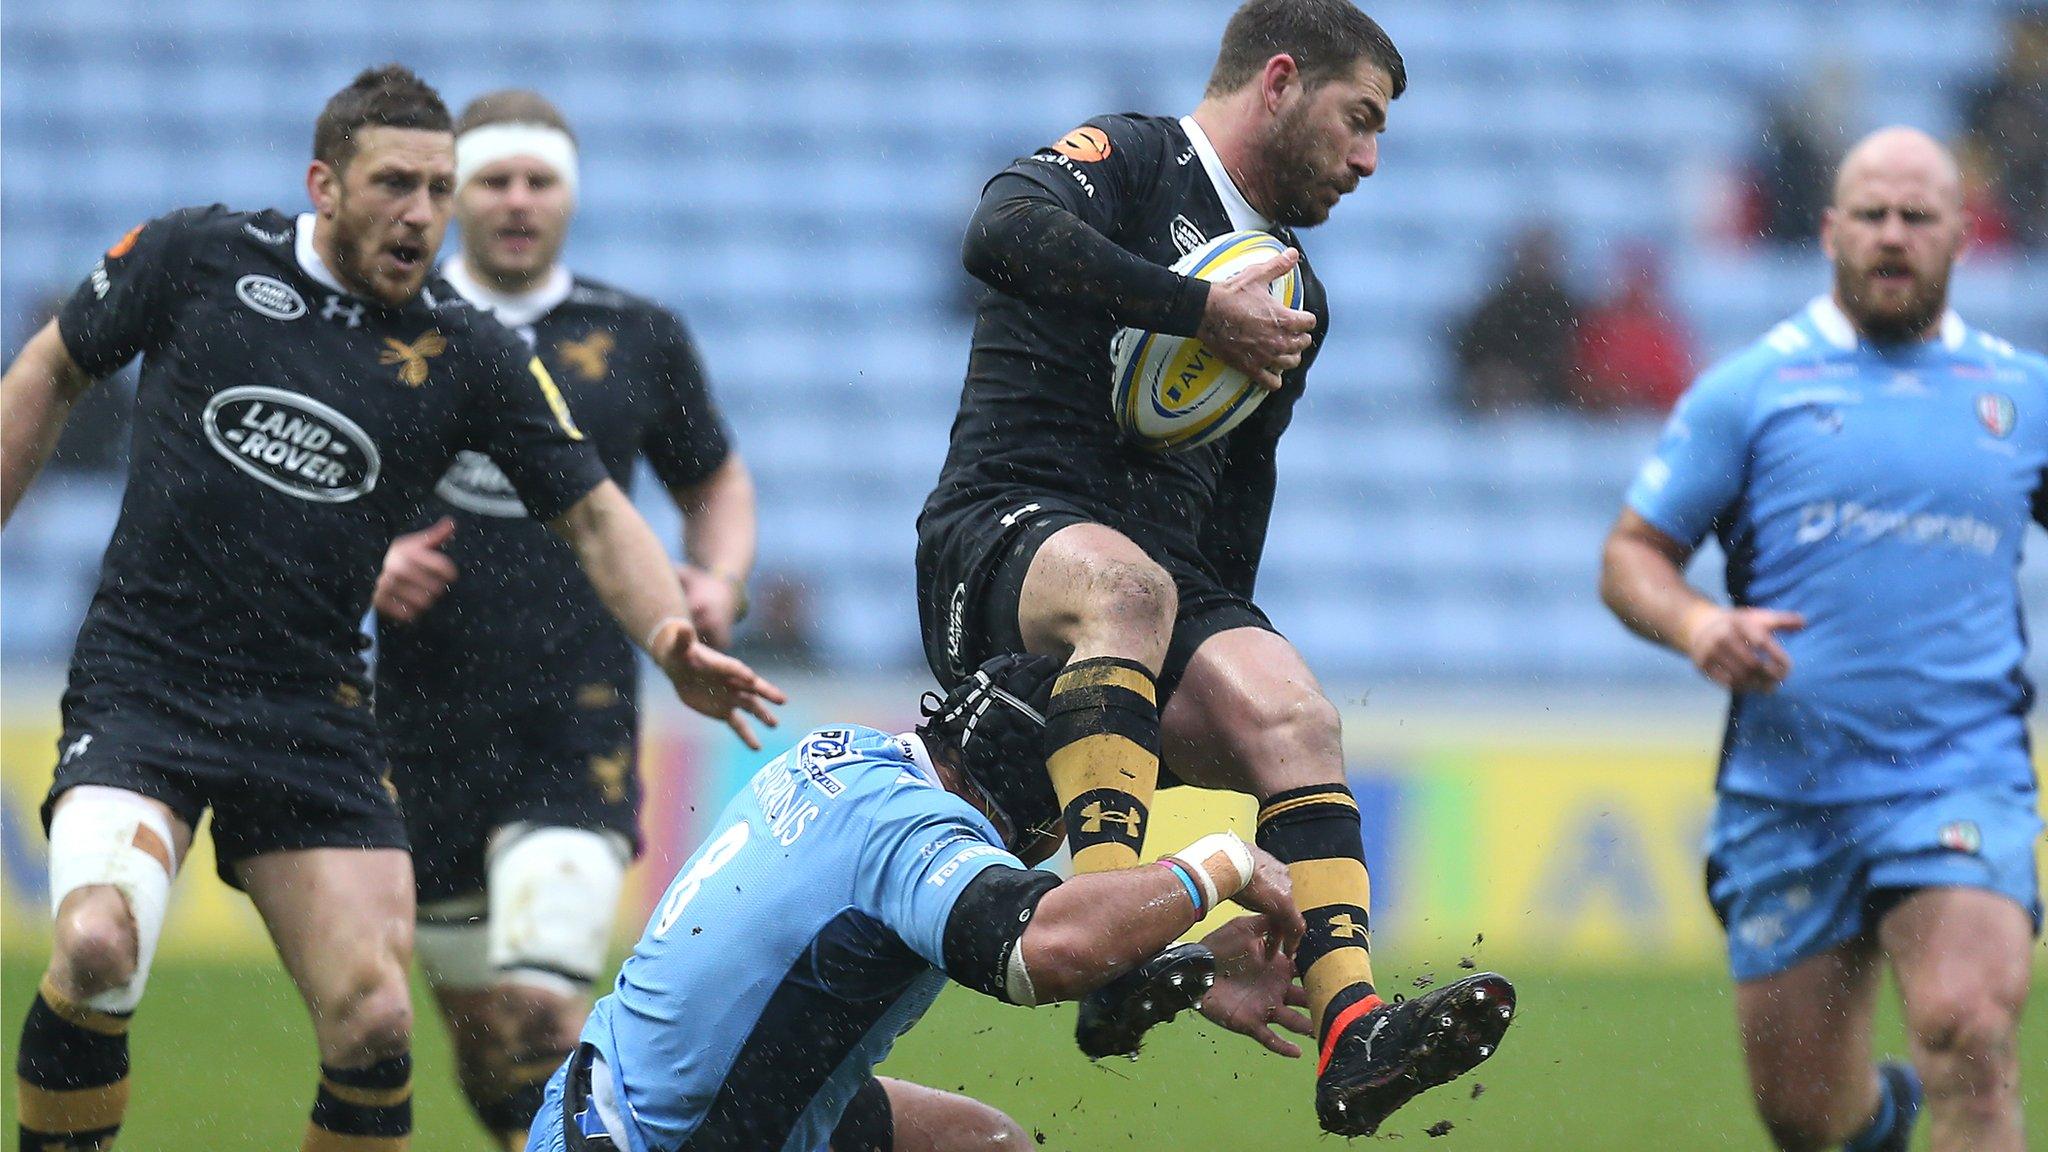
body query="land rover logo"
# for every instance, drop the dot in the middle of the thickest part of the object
(295, 444)
(271, 297)
(474, 483)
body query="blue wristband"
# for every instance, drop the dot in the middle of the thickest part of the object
(1187, 881)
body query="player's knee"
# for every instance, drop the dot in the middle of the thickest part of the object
(554, 892)
(95, 947)
(536, 1023)
(372, 1022)
(1970, 1029)
(1134, 598)
(111, 863)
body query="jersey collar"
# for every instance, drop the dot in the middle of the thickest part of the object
(1835, 327)
(514, 310)
(920, 756)
(309, 257)
(1242, 215)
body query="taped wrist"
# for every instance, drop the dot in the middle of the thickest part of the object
(985, 927)
(1220, 862)
(655, 634)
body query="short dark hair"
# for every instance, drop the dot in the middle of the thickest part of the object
(512, 106)
(388, 97)
(1325, 38)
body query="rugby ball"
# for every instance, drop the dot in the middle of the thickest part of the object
(1170, 392)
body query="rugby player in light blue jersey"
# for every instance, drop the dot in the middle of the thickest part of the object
(834, 898)
(1869, 467)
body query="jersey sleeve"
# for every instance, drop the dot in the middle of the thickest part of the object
(524, 425)
(1046, 228)
(688, 440)
(1093, 171)
(123, 308)
(918, 861)
(1701, 461)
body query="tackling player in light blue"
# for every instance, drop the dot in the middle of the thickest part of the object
(836, 895)
(1870, 468)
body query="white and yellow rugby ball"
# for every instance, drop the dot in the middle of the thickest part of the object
(1171, 392)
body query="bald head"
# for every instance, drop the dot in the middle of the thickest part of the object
(1893, 233)
(1900, 155)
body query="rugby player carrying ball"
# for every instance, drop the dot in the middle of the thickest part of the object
(1049, 532)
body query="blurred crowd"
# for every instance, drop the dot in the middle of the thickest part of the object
(1531, 341)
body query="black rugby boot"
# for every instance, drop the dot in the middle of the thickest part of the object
(1115, 1017)
(1382, 1059)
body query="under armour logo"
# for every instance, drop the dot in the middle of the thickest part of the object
(76, 748)
(1343, 927)
(1094, 816)
(1010, 518)
(341, 308)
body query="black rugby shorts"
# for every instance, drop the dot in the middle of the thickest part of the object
(566, 757)
(971, 566)
(282, 770)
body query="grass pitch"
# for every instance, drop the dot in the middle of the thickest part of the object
(224, 1061)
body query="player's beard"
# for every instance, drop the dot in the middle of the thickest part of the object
(1302, 192)
(354, 257)
(1884, 321)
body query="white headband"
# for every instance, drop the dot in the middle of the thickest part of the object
(479, 148)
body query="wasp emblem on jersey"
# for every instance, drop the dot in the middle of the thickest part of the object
(608, 772)
(588, 356)
(411, 359)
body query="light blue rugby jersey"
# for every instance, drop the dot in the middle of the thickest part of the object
(1882, 491)
(792, 949)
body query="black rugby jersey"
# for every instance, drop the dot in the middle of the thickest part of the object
(1035, 412)
(520, 609)
(285, 431)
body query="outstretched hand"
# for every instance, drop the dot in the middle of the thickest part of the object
(1255, 991)
(713, 683)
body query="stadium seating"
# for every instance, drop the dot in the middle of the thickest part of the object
(794, 177)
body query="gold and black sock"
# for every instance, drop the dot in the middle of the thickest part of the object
(1315, 832)
(362, 1109)
(71, 1075)
(508, 1104)
(1103, 728)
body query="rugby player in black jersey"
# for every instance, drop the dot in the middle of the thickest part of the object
(505, 693)
(1048, 532)
(302, 390)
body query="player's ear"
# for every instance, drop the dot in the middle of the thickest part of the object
(1279, 75)
(1827, 231)
(323, 188)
